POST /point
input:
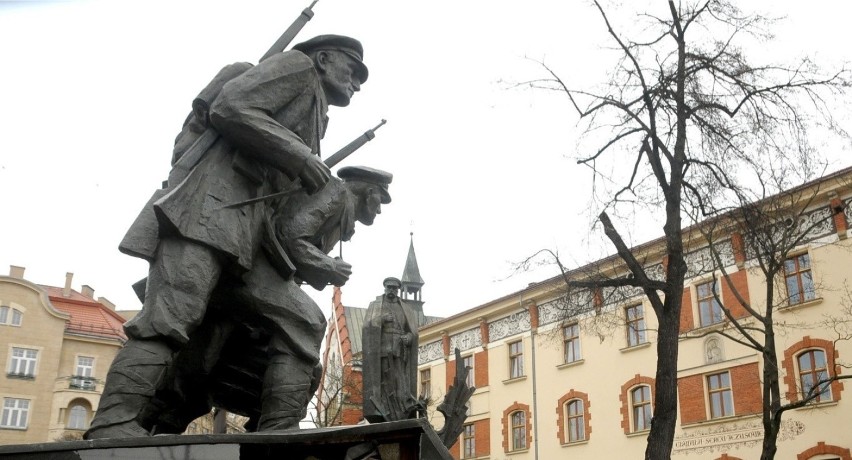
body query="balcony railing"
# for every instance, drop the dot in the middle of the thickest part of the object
(79, 382)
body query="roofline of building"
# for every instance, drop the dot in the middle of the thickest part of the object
(43, 295)
(644, 247)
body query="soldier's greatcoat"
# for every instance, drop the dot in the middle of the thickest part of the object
(270, 119)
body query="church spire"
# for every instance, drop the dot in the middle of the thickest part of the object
(412, 282)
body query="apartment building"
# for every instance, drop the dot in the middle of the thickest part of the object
(56, 345)
(572, 375)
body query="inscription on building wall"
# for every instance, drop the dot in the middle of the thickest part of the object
(722, 438)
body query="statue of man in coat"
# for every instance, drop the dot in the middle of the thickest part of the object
(269, 119)
(389, 338)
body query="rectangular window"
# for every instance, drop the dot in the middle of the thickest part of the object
(467, 361)
(469, 441)
(709, 310)
(720, 395)
(83, 373)
(17, 317)
(15, 413)
(516, 359)
(85, 366)
(800, 283)
(635, 325)
(4, 314)
(519, 430)
(23, 362)
(426, 383)
(571, 343)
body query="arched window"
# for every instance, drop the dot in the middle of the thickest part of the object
(640, 400)
(78, 417)
(813, 370)
(576, 425)
(518, 421)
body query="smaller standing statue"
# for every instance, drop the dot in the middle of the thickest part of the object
(390, 358)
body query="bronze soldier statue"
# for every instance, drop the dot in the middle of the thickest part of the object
(389, 366)
(269, 119)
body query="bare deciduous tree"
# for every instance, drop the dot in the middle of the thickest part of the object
(768, 236)
(690, 114)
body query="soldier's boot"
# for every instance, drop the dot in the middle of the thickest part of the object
(286, 393)
(133, 378)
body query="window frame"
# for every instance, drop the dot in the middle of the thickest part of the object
(571, 343)
(518, 429)
(468, 361)
(725, 393)
(645, 406)
(29, 363)
(633, 333)
(468, 444)
(11, 316)
(709, 301)
(20, 414)
(426, 383)
(814, 373)
(797, 274)
(82, 418)
(516, 357)
(578, 420)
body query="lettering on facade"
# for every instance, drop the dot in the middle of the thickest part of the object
(722, 438)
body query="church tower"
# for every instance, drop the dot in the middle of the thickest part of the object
(412, 283)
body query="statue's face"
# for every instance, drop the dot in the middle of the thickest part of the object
(370, 206)
(338, 74)
(392, 291)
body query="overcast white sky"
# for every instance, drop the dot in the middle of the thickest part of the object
(92, 94)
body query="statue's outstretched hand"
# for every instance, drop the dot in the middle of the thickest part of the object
(314, 175)
(342, 271)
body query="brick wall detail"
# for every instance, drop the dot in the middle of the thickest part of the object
(687, 322)
(745, 385)
(825, 449)
(747, 388)
(480, 369)
(561, 414)
(840, 224)
(690, 391)
(740, 284)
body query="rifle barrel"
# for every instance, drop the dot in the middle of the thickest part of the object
(347, 150)
(291, 32)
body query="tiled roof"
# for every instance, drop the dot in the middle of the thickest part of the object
(88, 316)
(355, 323)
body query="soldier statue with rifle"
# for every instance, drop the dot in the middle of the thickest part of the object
(255, 131)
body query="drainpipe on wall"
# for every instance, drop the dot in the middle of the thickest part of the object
(534, 393)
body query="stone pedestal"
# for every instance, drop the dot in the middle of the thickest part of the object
(404, 440)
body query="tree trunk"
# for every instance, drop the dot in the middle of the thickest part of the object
(661, 438)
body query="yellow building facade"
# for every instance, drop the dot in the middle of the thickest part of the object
(56, 346)
(559, 378)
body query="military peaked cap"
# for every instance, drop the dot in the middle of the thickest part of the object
(344, 44)
(391, 281)
(369, 175)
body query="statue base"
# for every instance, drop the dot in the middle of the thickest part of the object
(403, 440)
